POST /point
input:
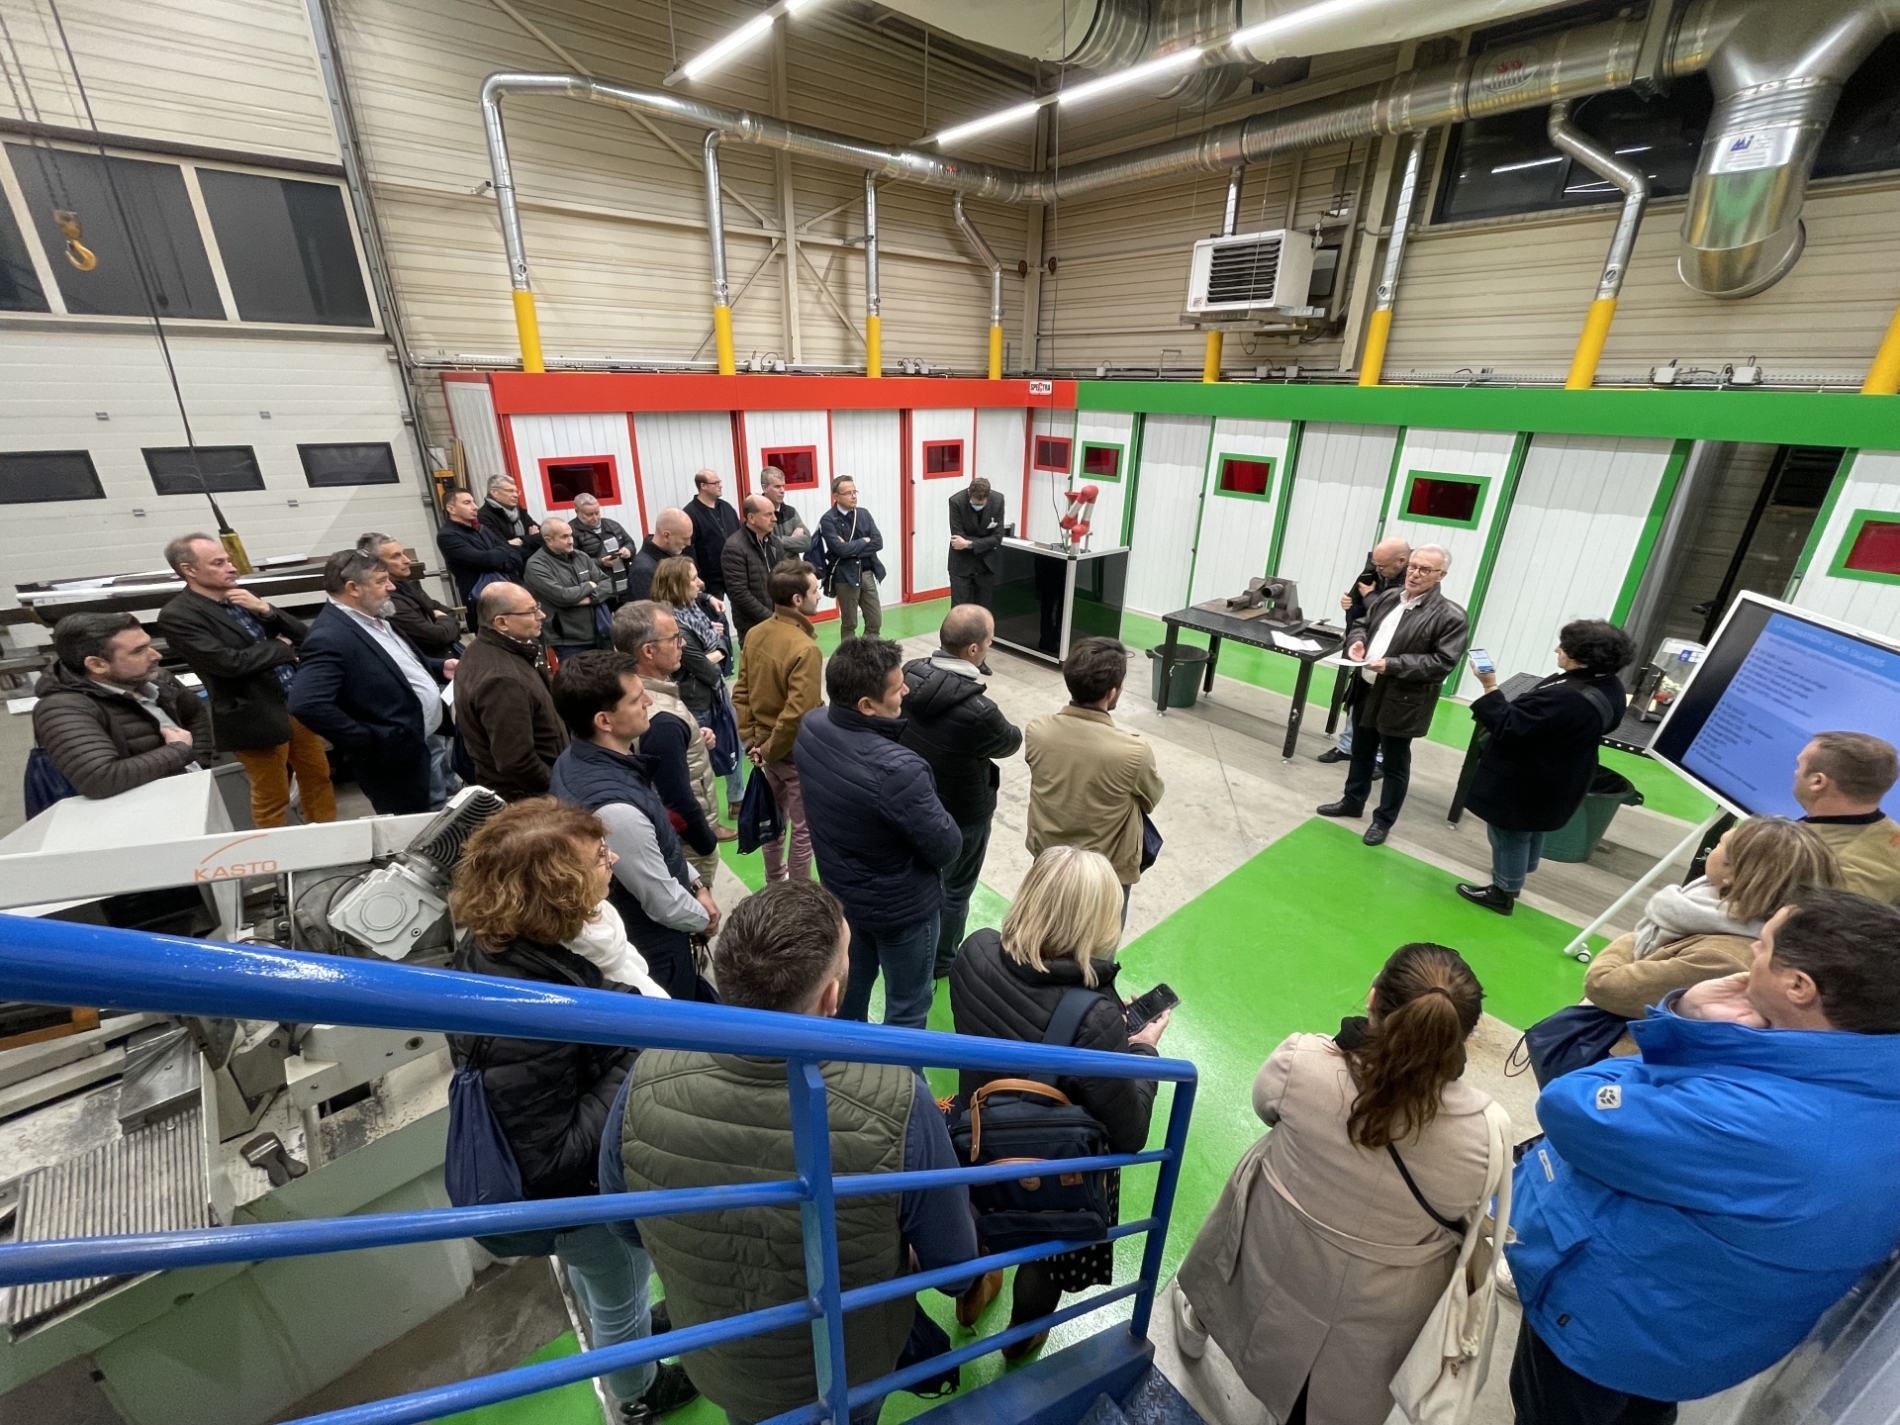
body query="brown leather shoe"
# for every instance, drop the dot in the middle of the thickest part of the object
(1023, 1349)
(732, 810)
(725, 833)
(974, 1302)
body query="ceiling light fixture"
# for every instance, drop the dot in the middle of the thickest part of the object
(1072, 94)
(959, 132)
(747, 35)
(1296, 19)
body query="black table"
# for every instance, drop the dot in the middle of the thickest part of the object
(1632, 734)
(1256, 633)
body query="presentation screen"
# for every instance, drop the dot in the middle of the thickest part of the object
(1772, 679)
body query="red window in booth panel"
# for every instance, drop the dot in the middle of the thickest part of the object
(1245, 477)
(943, 459)
(1445, 499)
(1104, 462)
(570, 475)
(1876, 549)
(1053, 453)
(798, 463)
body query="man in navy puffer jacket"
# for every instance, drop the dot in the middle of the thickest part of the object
(1694, 1211)
(881, 835)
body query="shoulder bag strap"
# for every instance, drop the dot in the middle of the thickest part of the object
(1067, 1020)
(1599, 700)
(1449, 1224)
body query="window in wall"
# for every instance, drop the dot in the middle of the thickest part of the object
(943, 459)
(20, 289)
(371, 463)
(797, 463)
(1250, 476)
(287, 250)
(217, 468)
(1053, 452)
(1101, 461)
(163, 239)
(1871, 549)
(571, 475)
(1433, 498)
(31, 477)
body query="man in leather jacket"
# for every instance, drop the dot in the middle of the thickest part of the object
(1410, 639)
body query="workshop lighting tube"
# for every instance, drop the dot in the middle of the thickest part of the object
(1379, 324)
(716, 236)
(527, 323)
(1229, 225)
(1630, 180)
(988, 254)
(873, 305)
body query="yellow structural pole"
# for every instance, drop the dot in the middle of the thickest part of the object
(1210, 367)
(528, 329)
(996, 353)
(722, 339)
(1378, 328)
(1883, 377)
(874, 345)
(1596, 331)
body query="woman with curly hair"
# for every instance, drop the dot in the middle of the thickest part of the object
(1541, 755)
(528, 896)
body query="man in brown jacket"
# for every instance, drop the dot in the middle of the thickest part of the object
(1091, 782)
(1839, 780)
(502, 705)
(778, 684)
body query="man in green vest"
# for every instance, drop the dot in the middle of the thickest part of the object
(695, 1119)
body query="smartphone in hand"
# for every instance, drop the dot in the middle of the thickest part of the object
(1150, 1006)
(1481, 661)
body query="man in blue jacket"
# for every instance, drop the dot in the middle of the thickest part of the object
(1694, 1211)
(881, 835)
(845, 551)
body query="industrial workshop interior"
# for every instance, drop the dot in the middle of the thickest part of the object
(1328, 568)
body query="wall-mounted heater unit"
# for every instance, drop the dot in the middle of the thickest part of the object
(1264, 273)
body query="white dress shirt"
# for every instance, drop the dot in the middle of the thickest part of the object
(428, 695)
(1382, 635)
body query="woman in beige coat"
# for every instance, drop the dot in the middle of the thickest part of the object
(1319, 1264)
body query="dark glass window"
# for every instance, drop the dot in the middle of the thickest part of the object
(562, 480)
(1864, 134)
(368, 464)
(942, 459)
(797, 463)
(217, 468)
(20, 289)
(163, 239)
(1052, 453)
(1445, 499)
(31, 477)
(1241, 476)
(1101, 462)
(287, 249)
(1871, 549)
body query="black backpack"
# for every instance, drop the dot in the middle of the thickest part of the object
(1030, 1121)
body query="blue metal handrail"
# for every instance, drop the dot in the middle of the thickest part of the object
(53, 962)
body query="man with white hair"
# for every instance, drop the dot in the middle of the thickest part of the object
(570, 588)
(502, 516)
(672, 533)
(1407, 644)
(603, 540)
(793, 537)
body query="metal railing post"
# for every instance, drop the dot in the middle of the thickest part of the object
(818, 1219)
(1166, 1181)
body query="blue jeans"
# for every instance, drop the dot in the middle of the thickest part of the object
(1514, 855)
(443, 783)
(907, 954)
(959, 883)
(611, 1277)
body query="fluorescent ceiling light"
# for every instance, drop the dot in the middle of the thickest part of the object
(748, 34)
(1296, 19)
(1180, 59)
(983, 125)
(1528, 163)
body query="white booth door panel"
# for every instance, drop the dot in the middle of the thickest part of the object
(1572, 530)
(472, 417)
(1103, 441)
(1247, 478)
(1001, 433)
(1446, 491)
(1167, 509)
(942, 455)
(865, 445)
(1858, 534)
(540, 440)
(675, 446)
(1051, 455)
(805, 434)
(1338, 493)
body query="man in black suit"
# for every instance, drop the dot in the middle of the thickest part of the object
(362, 685)
(503, 517)
(471, 550)
(976, 544)
(245, 653)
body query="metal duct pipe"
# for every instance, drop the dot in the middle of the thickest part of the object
(1379, 324)
(1229, 225)
(527, 321)
(873, 304)
(984, 251)
(1630, 180)
(716, 237)
(1777, 75)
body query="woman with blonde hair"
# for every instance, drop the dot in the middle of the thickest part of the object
(1338, 1231)
(528, 898)
(1707, 929)
(1060, 934)
(706, 658)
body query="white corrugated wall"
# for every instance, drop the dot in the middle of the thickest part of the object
(1870, 484)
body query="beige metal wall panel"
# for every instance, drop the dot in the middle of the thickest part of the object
(1237, 530)
(238, 74)
(1872, 482)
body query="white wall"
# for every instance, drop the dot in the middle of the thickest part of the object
(1485, 454)
(471, 408)
(1167, 511)
(1000, 455)
(1333, 520)
(929, 544)
(1236, 531)
(539, 438)
(676, 445)
(1872, 482)
(780, 429)
(866, 446)
(1116, 428)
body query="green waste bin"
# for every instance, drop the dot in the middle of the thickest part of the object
(1184, 679)
(1578, 837)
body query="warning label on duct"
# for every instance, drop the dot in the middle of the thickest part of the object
(1750, 149)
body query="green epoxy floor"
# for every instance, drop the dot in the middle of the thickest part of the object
(1286, 942)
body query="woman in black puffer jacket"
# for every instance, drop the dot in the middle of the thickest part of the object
(1060, 933)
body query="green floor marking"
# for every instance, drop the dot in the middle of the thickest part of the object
(574, 1404)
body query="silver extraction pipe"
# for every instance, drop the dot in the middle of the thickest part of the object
(1230, 218)
(716, 240)
(873, 304)
(1634, 185)
(988, 254)
(1379, 324)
